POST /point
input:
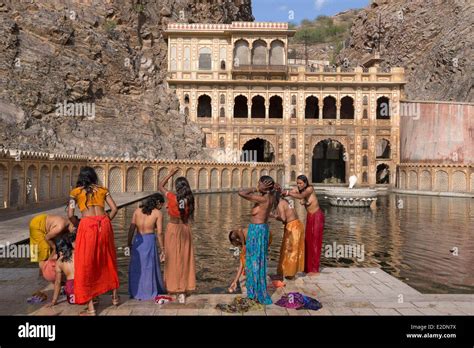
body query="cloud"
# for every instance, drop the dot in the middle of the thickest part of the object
(319, 4)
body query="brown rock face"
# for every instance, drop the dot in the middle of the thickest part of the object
(431, 39)
(88, 77)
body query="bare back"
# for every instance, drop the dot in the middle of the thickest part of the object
(286, 212)
(146, 223)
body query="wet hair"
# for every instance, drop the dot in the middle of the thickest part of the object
(304, 179)
(233, 237)
(264, 178)
(64, 246)
(87, 179)
(184, 193)
(151, 203)
(277, 199)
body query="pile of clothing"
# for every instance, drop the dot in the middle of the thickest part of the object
(240, 305)
(295, 300)
(37, 297)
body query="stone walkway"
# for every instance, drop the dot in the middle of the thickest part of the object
(342, 291)
(17, 229)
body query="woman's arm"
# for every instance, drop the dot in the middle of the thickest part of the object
(162, 183)
(233, 286)
(159, 235)
(113, 207)
(248, 195)
(57, 284)
(304, 195)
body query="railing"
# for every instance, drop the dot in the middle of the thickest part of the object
(260, 68)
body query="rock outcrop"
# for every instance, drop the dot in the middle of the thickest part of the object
(88, 77)
(431, 39)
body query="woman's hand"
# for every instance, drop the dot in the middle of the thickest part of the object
(233, 286)
(51, 304)
(174, 171)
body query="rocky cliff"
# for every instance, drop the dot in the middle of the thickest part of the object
(431, 39)
(88, 77)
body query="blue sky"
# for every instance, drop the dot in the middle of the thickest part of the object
(279, 10)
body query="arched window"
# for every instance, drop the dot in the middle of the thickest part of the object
(293, 143)
(364, 177)
(204, 106)
(259, 53)
(329, 108)
(365, 161)
(365, 101)
(364, 114)
(222, 112)
(347, 108)
(221, 142)
(383, 108)
(311, 109)
(186, 99)
(365, 144)
(277, 53)
(173, 66)
(293, 112)
(187, 58)
(276, 107)
(293, 160)
(258, 107)
(293, 175)
(241, 53)
(205, 60)
(222, 57)
(222, 100)
(293, 100)
(222, 64)
(240, 107)
(382, 149)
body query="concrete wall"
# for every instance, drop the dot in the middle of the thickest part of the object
(437, 132)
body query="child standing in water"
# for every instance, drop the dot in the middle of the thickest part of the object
(144, 280)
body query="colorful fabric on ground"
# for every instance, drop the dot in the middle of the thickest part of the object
(180, 273)
(40, 249)
(144, 274)
(292, 249)
(256, 263)
(95, 260)
(296, 300)
(240, 305)
(313, 240)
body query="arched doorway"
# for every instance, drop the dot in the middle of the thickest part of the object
(328, 165)
(204, 106)
(259, 150)
(258, 107)
(383, 174)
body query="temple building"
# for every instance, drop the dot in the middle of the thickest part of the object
(235, 82)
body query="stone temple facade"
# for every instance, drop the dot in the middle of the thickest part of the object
(234, 80)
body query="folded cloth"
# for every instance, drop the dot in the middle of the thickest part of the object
(161, 299)
(295, 300)
(37, 297)
(240, 305)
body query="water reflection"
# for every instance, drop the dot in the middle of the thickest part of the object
(413, 244)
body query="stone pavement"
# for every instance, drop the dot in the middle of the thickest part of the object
(342, 291)
(17, 229)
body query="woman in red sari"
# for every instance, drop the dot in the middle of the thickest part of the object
(95, 260)
(314, 223)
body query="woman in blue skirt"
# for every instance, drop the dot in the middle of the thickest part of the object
(144, 277)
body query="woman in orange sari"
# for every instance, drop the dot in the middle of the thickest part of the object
(180, 272)
(95, 260)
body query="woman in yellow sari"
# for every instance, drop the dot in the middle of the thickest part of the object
(292, 245)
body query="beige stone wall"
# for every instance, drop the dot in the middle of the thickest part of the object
(32, 179)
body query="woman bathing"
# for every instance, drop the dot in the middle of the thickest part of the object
(95, 257)
(144, 280)
(180, 274)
